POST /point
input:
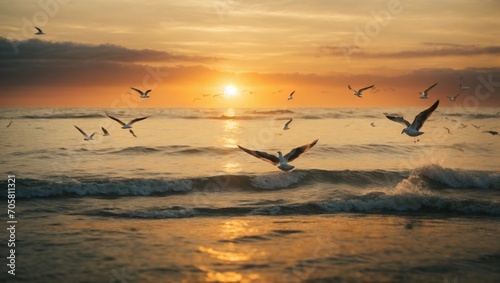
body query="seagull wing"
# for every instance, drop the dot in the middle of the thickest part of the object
(288, 123)
(92, 135)
(491, 132)
(430, 87)
(39, 30)
(104, 131)
(262, 155)
(349, 86)
(424, 115)
(132, 132)
(397, 119)
(147, 91)
(291, 93)
(296, 152)
(10, 123)
(138, 90)
(116, 119)
(81, 131)
(365, 88)
(137, 120)
(456, 96)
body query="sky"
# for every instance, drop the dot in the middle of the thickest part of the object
(188, 52)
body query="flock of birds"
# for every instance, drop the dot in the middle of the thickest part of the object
(281, 161)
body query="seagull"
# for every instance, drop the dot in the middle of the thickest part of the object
(373, 124)
(129, 124)
(280, 161)
(453, 98)
(286, 125)
(495, 133)
(359, 92)
(132, 132)
(413, 129)
(462, 87)
(87, 137)
(449, 132)
(9, 124)
(425, 94)
(39, 32)
(477, 127)
(463, 126)
(143, 94)
(291, 95)
(104, 132)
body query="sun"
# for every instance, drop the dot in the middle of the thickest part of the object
(230, 91)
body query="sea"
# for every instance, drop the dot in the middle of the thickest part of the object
(180, 202)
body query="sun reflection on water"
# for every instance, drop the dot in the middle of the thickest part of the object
(231, 253)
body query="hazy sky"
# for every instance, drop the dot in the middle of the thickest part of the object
(94, 51)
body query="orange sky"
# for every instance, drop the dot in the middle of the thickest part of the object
(188, 51)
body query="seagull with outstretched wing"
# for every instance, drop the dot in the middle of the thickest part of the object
(126, 125)
(280, 161)
(286, 125)
(359, 92)
(39, 32)
(143, 94)
(87, 137)
(413, 129)
(104, 132)
(425, 94)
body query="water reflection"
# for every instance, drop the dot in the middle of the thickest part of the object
(231, 129)
(229, 255)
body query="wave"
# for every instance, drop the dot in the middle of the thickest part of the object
(433, 177)
(62, 116)
(478, 116)
(170, 150)
(373, 203)
(270, 112)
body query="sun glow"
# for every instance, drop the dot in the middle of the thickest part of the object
(230, 91)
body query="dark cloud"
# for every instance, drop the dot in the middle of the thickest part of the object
(430, 49)
(65, 64)
(36, 49)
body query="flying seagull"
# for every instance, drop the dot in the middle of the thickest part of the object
(462, 87)
(359, 92)
(129, 124)
(104, 132)
(286, 125)
(280, 161)
(413, 129)
(453, 98)
(143, 94)
(10, 123)
(373, 124)
(477, 127)
(495, 133)
(291, 95)
(87, 137)
(39, 32)
(425, 94)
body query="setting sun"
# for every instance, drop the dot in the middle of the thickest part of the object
(230, 90)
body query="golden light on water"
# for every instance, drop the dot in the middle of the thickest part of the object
(223, 255)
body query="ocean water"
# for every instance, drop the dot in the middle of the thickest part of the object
(181, 203)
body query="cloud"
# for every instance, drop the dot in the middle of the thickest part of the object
(36, 49)
(67, 64)
(432, 49)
